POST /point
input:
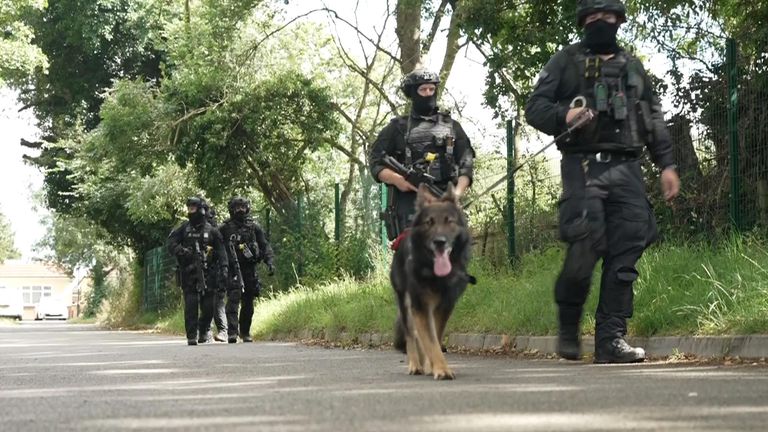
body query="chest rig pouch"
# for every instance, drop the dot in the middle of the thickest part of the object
(199, 240)
(245, 241)
(429, 145)
(611, 90)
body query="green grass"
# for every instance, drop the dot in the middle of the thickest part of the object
(682, 290)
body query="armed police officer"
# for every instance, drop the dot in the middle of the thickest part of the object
(426, 146)
(604, 212)
(219, 290)
(199, 249)
(246, 247)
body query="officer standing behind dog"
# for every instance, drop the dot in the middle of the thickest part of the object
(246, 239)
(426, 140)
(604, 212)
(202, 260)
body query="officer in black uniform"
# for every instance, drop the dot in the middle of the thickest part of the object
(199, 249)
(604, 212)
(428, 140)
(246, 239)
(220, 291)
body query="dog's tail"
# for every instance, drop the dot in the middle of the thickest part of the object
(399, 336)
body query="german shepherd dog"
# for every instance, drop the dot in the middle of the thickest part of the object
(429, 274)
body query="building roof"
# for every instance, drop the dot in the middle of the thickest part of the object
(16, 269)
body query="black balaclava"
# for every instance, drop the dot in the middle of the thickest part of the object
(600, 37)
(198, 217)
(423, 106)
(239, 214)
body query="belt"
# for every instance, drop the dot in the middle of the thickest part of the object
(607, 156)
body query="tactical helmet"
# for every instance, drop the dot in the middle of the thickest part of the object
(416, 78)
(197, 202)
(238, 201)
(587, 7)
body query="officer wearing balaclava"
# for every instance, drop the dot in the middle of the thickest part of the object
(426, 139)
(199, 250)
(247, 246)
(602, 91)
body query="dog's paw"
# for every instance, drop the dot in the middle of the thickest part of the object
(444, 374)
(414, 369)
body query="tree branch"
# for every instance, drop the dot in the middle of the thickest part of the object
(435, 25)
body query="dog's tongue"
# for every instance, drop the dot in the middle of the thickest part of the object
(442, 263)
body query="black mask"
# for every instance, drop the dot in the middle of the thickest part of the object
(600, 37)
(424, 106)
(239, 215)
(196, 218)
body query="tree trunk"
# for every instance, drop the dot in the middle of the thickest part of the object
(409, 33)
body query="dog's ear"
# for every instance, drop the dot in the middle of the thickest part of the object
(450, 195)
(424, 197)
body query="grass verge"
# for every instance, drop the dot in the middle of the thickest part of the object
(691, 289)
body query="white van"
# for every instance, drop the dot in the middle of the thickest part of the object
(51, 308)
(11, 303)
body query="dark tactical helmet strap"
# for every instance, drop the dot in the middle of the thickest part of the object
(587, 7)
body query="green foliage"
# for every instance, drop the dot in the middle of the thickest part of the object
(7, 248)
(19, 56)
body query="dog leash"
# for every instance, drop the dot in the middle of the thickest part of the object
(582, 118)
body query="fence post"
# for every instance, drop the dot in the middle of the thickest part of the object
(337, 211)
(300, 219)
(268, 222)
(511, 132)
(383, 230)
(733, 132)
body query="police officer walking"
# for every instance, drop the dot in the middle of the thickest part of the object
(430, 146)
(426, 141)
(199, 249)
(246, 246)
(604, 212)
(220, 290)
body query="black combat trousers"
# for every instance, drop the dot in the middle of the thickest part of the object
(242, 300)
(604, 213)
(198, 311)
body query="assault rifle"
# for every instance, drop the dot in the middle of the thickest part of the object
(238, 279)
(200, 264)
(413, 175)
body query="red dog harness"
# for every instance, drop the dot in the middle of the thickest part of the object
(396, 242)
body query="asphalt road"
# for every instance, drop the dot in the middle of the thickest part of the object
(57, 376)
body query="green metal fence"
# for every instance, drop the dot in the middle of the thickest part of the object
(160, 289)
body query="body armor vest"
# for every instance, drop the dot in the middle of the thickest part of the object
(241, 233)
(610, 88)
(202, 238)
(429, 144)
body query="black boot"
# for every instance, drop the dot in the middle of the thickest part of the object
(191, 341)
(205, 337)
(618, 351)
(569, 343)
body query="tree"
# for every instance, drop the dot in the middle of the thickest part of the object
(7, 248)
(19, 57)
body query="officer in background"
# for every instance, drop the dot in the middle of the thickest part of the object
(220, 291)
(427, 140)
(246, 246)
(604, 212)
(199, 249)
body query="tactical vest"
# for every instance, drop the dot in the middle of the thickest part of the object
(202, 238)
(238, 234)
(430, 145)
(611, 88)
